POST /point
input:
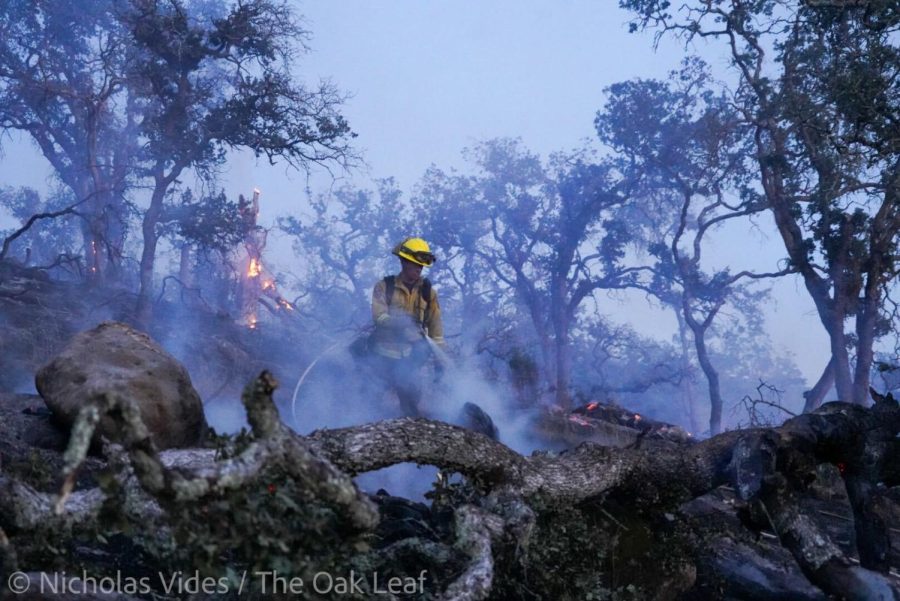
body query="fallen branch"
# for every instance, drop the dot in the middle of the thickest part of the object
(274, 445)
(474, 531)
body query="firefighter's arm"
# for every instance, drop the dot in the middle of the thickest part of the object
(380, 309)
(433, 319)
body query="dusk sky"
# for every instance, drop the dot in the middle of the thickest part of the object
(428, 79)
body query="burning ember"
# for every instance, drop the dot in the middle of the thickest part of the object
(254, 271)
(94, 256)
(596, 412)
(574, 417)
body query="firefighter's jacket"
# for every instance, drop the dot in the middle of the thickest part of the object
(401, 324)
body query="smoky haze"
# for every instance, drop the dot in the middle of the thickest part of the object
(476, 130)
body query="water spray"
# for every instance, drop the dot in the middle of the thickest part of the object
(306, 373)
(441, 355)
(443, 358)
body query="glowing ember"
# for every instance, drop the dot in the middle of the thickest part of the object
(592, 405)
(253, 271)
(637, 417)
(252, 322)
(579, 420)
(268, 284)
(285, 304)
(94, 253)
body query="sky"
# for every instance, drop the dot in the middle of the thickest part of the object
(427, 79)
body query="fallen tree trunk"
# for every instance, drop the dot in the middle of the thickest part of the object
(510, 502)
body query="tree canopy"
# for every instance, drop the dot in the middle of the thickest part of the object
(818, 89)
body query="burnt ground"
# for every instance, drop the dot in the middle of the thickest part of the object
(737, 563)
(31, 444)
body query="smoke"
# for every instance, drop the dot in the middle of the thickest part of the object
(463, 382)
(334, 389)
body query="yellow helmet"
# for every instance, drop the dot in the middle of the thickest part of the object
(415, 250)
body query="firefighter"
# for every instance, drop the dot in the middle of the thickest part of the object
(406, 312)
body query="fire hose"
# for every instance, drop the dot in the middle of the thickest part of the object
(438, 353)
(306, 373)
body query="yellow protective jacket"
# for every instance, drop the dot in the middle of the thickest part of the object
(399, 324)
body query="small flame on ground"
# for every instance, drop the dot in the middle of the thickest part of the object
(637, 417)
(592, 405)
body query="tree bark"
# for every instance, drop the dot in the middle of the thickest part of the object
(563, 362)
(687, 392)
(152, 217)
(144, 312)
(709, 370)
(816, 394)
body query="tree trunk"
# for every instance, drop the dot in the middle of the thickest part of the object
(687, 389)
(843, 379)
(185, 270)
(866, 320)
(699, 329)
(712, 378)
(92, 259)
(91, 233)
(144, 312)
(771, 141)
(563, 368)
(816, 394)
(562, 353)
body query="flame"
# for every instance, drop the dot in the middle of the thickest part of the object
(285, 304)
(637, 417)
(253, 271)
(592, 405)
(251, 322)
(267, 284)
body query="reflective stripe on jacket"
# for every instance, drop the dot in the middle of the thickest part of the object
(399, 324)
